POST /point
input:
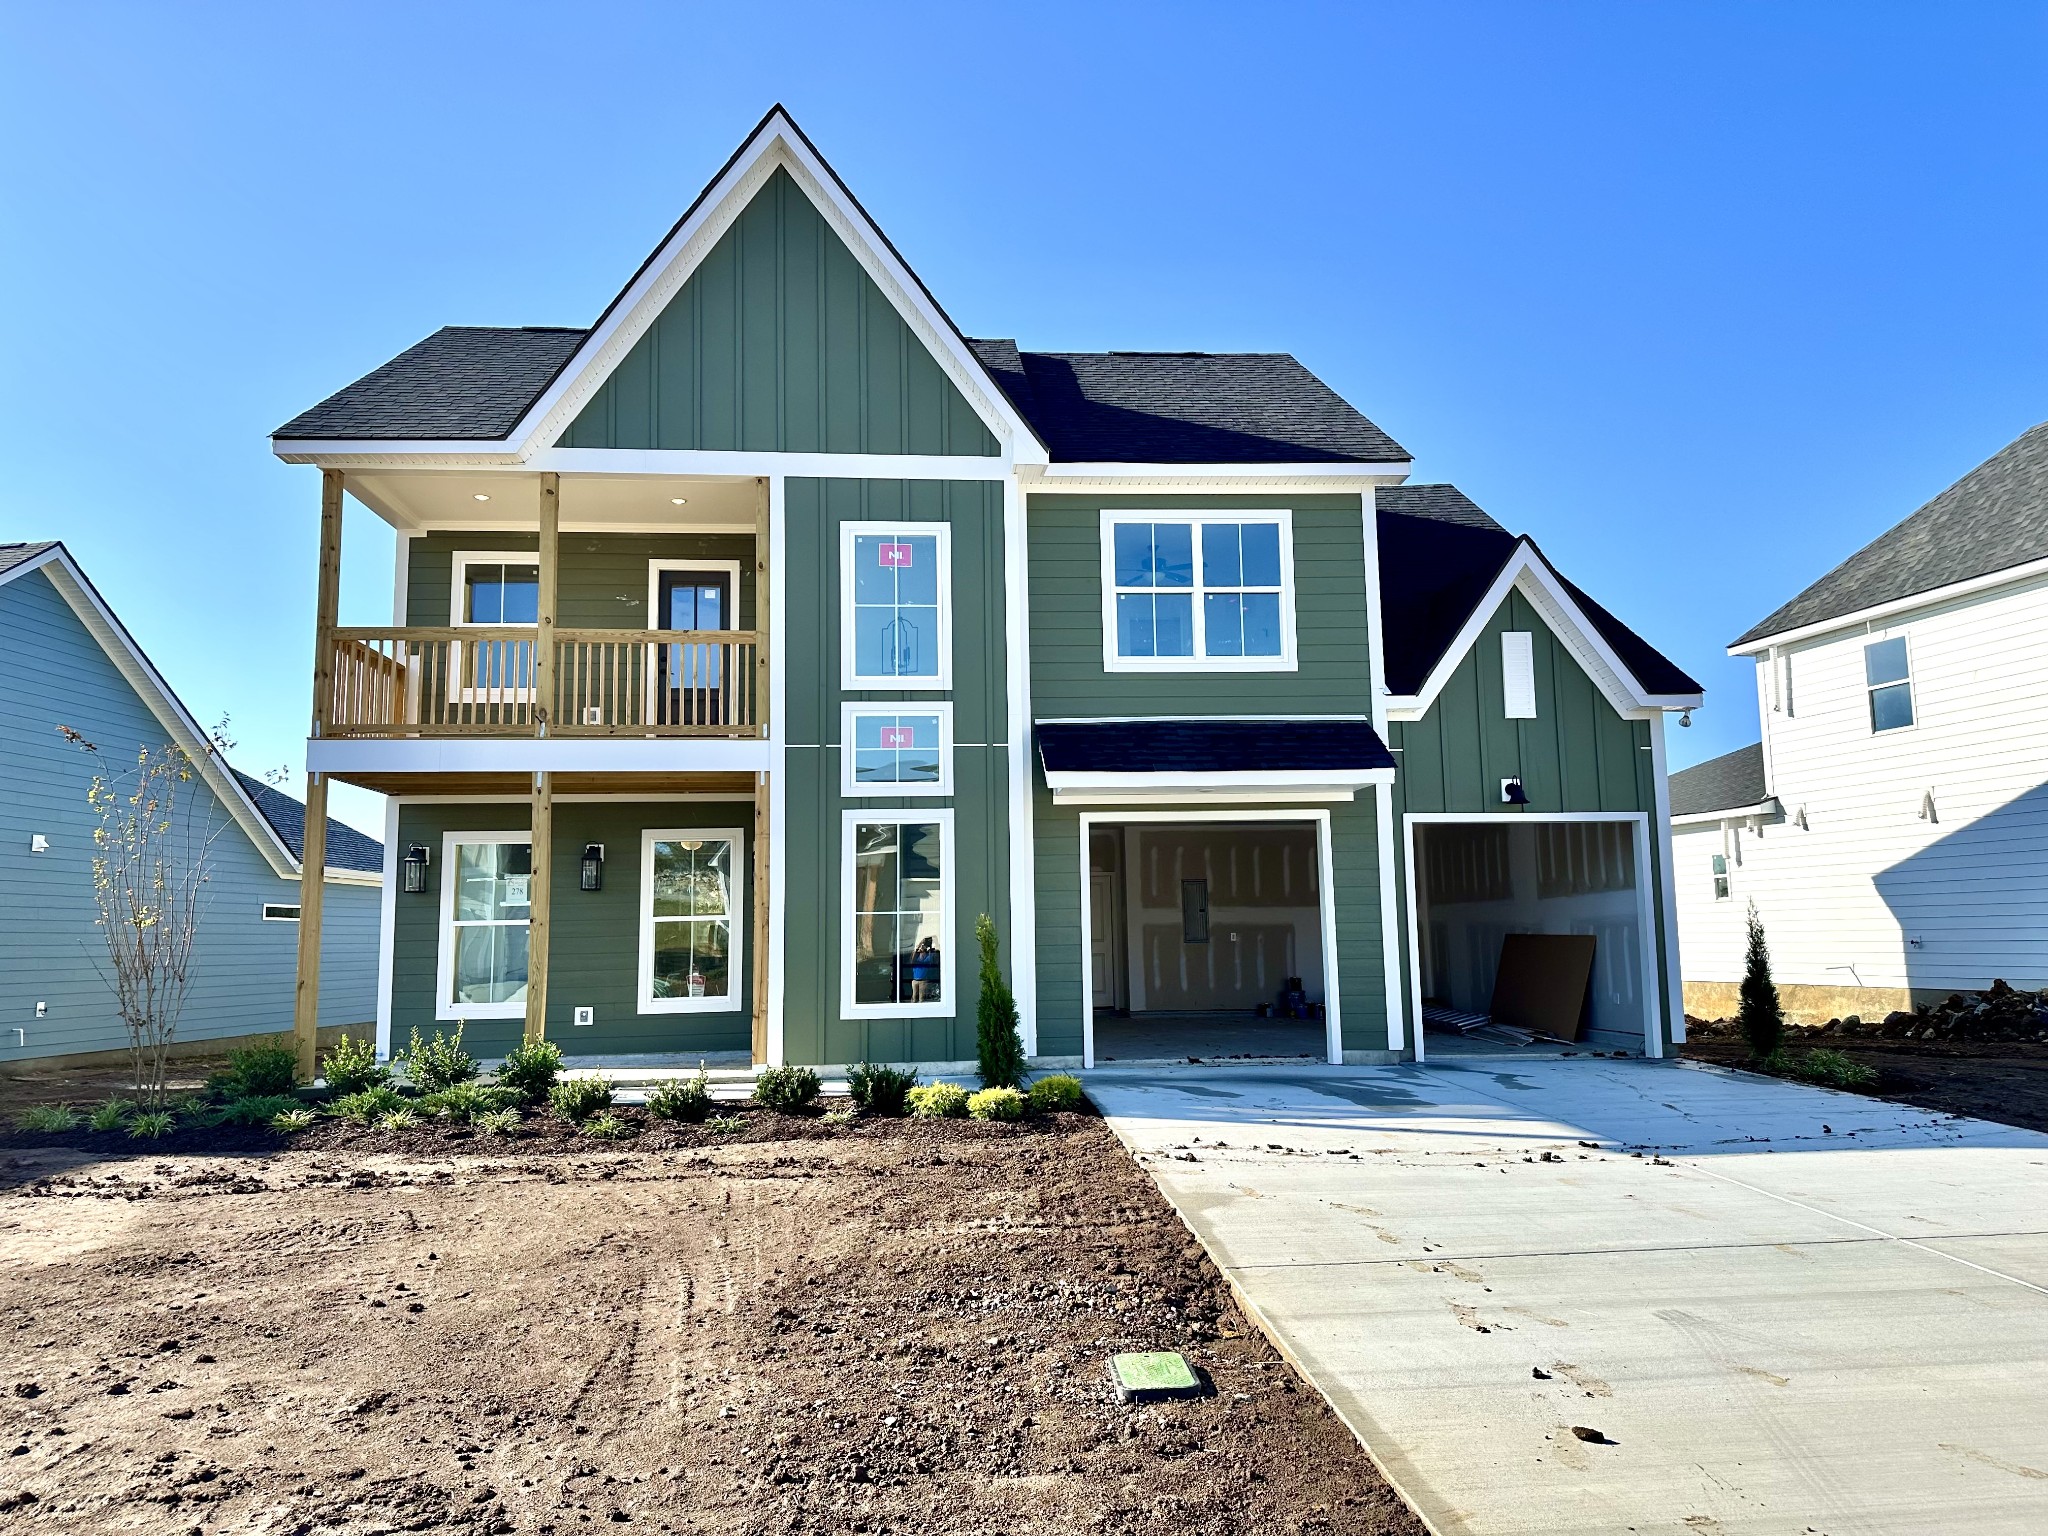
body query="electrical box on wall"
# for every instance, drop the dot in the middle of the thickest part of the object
(586, 1015)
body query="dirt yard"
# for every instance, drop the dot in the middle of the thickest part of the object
(1998, 1080)
(896, 1326)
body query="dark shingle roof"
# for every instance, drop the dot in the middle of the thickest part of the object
(1725, 783)
(1211, 746)
(12, 555)
(1439, 503)
(346, 847)
(1182, 408)
(1994, 518)
(464, 381)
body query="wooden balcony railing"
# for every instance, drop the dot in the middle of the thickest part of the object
(481, 680)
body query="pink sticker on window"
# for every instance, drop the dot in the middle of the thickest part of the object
(897, 737)
(894, 556)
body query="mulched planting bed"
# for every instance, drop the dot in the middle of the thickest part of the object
(2005, 1081)
(892, 1325)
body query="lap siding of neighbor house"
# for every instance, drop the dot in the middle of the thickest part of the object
(1333, 636)
(1578, 754)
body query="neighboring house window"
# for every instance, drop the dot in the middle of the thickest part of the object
(887, 751)
(1887, 672)
(1720, 877)
(495, 588)
(896, 620)
(278, 912)
(485, 907)
(1198, 592)
(898, 955)
(690, 948)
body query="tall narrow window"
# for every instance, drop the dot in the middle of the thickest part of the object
(486, 908)
(689, 944)
(897, 956)
(894, 592)
(1197, 592)
(1887, 673)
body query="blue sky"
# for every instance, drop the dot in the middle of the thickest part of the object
(1701, 296)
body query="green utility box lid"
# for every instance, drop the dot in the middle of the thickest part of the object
(1139, 1377)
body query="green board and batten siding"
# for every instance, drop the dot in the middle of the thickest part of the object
(1577, 755)
(602, 582)
(1333, 636)
(781, 343)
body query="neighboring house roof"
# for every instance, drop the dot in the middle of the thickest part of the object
(1211, 746)
(464, 381)
(1732, 781)
(1439, 557)
(1992, 519)
(12, 555)
(346, 847)
(1182, 408)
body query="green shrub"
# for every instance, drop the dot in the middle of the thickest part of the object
(48, 1117)
(256, 1109)
(465, 1101)
(726, 1125)
(530, 1069)
(499, 1122)
(291, 1121)
(351, 1065)
(606, 1127)
(786, 1090)
(1059, 1091)
(880, 1090)
(844, 1116)
(439, 1062)
(399, 1120)
(938, 1101)
(370, 1105)
(267, 1068)
(112, 1115)
(1833, 1069)
(1758, 1010)
(997, 1104)
(998, 1047)
(682, 1098)
(151, 1124)
(576, 1099)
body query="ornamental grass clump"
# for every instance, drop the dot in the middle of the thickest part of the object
(996, 1104)
(111, 1115)
(463, 1103)
(151, 1124)
(606, 1127)
(1060, 1091)
(726, 1125)
(439, 1062)
(254, 1109)
(290, 1122)
(530, 1069)
(48, 1118)
(938, 1101)
(370, 1105)
(499, 1122)
(399, 1120)
(351, 1065)
(576, 1099)
(787, 1090)
(682, 1098)
(880, 1090)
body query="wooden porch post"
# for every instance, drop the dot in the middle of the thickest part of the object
(540, 909)
(759, 918)
(313, 853)
(544, 641)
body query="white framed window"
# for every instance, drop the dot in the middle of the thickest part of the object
(493, 587)
(692, 924)
(1888, 677)
(1720, 877)
(1197, 591)
(897, 956)
(896, 605)
(887, 749)
(280, 912)
(486, 906)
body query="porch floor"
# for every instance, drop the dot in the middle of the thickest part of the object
(1210, 1036)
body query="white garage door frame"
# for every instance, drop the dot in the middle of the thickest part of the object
(1653, 1031)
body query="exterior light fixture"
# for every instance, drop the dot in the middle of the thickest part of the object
(593, 866)
(480, 496)
(1685, 717)
(416, 858)
(1512, 793)
(677, 501)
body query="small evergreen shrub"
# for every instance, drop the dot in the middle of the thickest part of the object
(726, 1125)
(465, 1101)
(351, 1065)
(368, 1106)
(48, 1117)
(787, 1090)
(682, 1098)
(290, 1122)
(997, 1104)
(151, 1124)
(1759, 1013)
(576, 1099)
(256, 1109)
(1829, 1068)
(880, 1090)
(439, 1062)
(499, 1122)
(1060, 1091)
(606, 1127)
(938, 1101)
(112, 1115)
(998, 1047)
(262, 1070)
(399, 1120)
(844, 1116)
(530, 1069)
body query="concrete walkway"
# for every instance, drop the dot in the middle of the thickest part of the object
(1795, 1311)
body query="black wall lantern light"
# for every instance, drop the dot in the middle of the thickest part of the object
(416, 869)
(1512, 793)
(593, 866)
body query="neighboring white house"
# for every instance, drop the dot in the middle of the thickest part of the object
(1892, 824)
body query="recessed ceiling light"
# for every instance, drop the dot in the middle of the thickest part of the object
(677, 501)
(480, 496)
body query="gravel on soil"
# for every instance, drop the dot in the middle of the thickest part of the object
(893, 1326)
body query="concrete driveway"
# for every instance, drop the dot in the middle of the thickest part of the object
(1795, 1310)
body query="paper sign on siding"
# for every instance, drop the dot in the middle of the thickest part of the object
(1518, 674)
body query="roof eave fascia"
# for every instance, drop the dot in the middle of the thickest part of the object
(1763, 810)
(1932, 597)
(1360, 474)
(388, 453)
(1285, 778)
(35, 563)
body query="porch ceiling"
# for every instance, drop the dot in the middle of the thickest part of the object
(419, 499)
